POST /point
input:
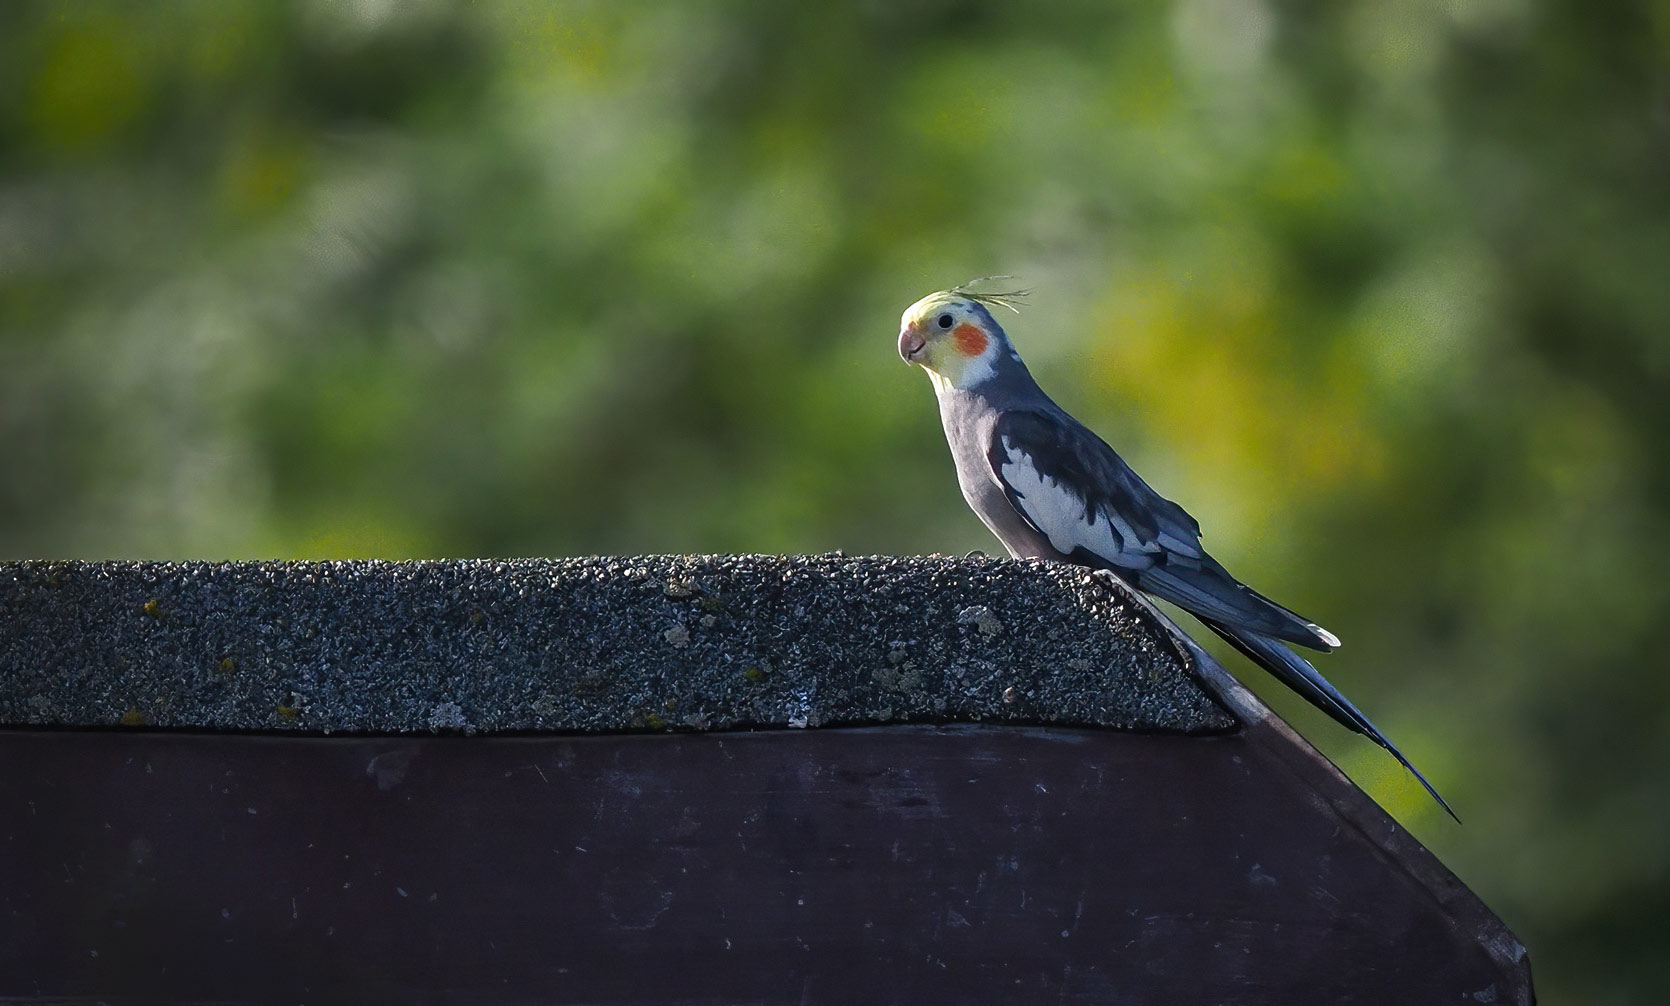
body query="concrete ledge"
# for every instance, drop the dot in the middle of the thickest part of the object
(592, 645)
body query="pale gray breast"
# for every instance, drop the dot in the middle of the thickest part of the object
(968, 419)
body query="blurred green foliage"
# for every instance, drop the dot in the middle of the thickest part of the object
(1380, 289)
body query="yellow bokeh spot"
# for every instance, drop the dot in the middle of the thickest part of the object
(88, 86)
(575, 48)
(1305, 176)
(1202, 359)
(261, 174)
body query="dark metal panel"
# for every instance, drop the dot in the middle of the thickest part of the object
(877, 865)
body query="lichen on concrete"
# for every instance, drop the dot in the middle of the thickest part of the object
(590, 644)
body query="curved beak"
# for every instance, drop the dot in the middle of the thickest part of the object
(911, 344)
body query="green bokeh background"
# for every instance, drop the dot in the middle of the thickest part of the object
(1378, 289)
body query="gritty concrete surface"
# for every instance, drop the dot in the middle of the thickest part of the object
(593, 644)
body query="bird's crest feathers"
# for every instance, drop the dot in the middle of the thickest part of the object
(1010, 299)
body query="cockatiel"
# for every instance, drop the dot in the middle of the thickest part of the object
(1049, 488)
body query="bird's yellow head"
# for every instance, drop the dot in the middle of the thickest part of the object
(952, 336)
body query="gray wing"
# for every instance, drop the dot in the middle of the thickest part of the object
(1072, 488)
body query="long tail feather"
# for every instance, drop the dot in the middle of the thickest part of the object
(1296, 673)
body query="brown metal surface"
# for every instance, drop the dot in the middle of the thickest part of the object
(877, 865)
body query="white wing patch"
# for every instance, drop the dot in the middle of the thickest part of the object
(1059, 512)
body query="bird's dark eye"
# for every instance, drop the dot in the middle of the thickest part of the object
(944, 321)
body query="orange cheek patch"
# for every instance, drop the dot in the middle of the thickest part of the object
(970, 340)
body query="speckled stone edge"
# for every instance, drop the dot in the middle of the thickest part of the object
(586, 645)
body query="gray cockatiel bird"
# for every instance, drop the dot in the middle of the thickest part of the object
(1049, 488)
